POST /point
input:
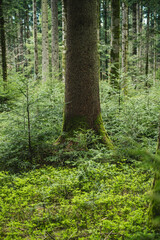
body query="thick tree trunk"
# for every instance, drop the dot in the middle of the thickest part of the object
(124, 44)
(3, 45)
(82, 103)
(55, 46)
(115, 34)
(35, 39)
(45, 44)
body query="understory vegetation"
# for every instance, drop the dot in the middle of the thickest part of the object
(79, 190)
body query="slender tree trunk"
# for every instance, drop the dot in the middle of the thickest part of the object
(82, 102)
(20, 43)
(155, 50)
(105, 7)
(45, 44)
(140, 37)
(138, 34)
(115, 34)
(147, 45)
(29, 125)
(26, 22)
(124, 45)
(35, 39)
(64, 29)
(134, 26)
(55, 46)
(3, 45)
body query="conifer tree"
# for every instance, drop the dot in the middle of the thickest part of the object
(82, 102)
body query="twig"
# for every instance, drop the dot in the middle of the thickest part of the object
(108, 235)
(50, 236)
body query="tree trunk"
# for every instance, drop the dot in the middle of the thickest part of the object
(138, 34)
(64, 29)
(55, 46)
(27, 30)
(124, 44)
(45, 44)
(3, 45)
(82, 103)
(147, 45)
(20, 43)
(115, 33)
(141, 42)
(105, 6)
(35, 39)
(155, 50)
(134, 27)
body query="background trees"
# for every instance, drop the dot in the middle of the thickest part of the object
(143, 27)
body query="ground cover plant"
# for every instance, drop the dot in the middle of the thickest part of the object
(92, 201)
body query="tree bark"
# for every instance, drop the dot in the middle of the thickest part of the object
(3, 45)
(124, 44)
(155, 50)
(115, 34)
(134, 28)
(45, 44)
(138, 35)
(82, 102)
(35, 39)
(55, 46)
(105, 6)
(141, 42)
(147, 45)
(64, 29)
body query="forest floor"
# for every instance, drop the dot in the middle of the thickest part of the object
(91, 201)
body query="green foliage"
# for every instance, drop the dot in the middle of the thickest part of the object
(44, 106)
(92, 201)
(131, 119)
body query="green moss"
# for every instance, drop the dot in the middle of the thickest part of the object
(80, 123)
(76, 123)
(99, 128)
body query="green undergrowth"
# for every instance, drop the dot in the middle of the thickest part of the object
(92, 201)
